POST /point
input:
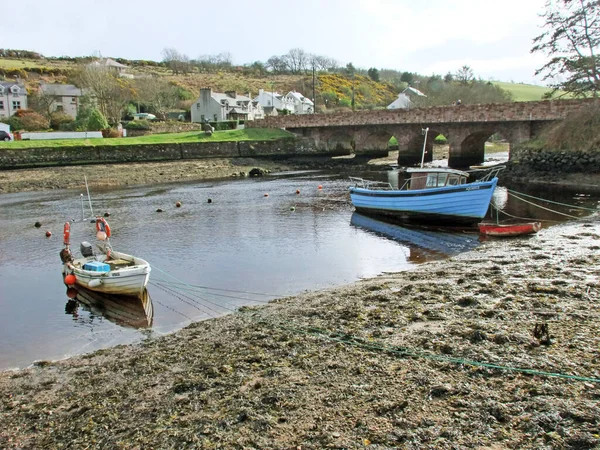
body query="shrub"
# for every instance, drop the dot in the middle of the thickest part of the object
(58, 120)
(441, 139)
(225, 125)
(110, 133)
(28, 120)
(138, 125)
(96, 121)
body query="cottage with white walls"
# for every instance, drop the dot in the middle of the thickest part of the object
(13, 97)
(404, 100)
(293, 102)
(66, 97)
(217, 107)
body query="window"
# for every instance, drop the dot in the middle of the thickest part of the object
(59, 107)
(73, 99)
(197, 105)
(202, 118)
(1, 105)
(1, 90)
(215, 116)
(58, 99)
(16, 105)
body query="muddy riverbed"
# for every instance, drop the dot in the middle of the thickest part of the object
(397, 361)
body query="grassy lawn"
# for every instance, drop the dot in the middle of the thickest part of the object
(250, 134)
(524, 92)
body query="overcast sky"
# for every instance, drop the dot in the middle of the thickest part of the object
(428, 37)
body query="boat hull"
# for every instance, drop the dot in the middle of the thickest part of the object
(452, 205)
(508, 230)
(129, 280)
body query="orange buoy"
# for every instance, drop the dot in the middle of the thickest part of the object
(66, 233)
(297, 191)
(70, 279)
(48, 233)
(320, 187)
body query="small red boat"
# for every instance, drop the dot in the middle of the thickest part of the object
(509, 229)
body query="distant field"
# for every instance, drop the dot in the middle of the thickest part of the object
(523, 92)
(251, 134)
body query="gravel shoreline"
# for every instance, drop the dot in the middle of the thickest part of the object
(372, 364)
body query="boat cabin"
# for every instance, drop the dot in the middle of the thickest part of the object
(435, 178)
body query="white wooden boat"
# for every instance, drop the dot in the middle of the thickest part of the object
(108, 271)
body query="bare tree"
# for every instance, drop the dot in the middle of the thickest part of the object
(158, 95)
(177, 62)
(111, 93)
(464, 75)
(571, 39)
(42, 102)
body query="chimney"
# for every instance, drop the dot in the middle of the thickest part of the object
(205, 95)
(231, 94)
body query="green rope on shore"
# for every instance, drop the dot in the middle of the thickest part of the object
(405, 352)
(550, 201)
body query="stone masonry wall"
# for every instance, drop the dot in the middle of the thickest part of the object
(553, 161)
(499, 112)
(44, 157)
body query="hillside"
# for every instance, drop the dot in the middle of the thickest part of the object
(523, 92)
(333, 91)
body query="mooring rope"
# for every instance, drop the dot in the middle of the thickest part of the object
(544, 208)
(348, 339)
(553, 202)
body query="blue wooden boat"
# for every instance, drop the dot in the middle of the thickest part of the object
(440, 196)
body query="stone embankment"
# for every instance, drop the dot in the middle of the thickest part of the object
(557, 161)
(103, 154)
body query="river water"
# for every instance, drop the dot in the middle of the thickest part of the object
(228, 245)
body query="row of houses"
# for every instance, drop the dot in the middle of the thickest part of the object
(216, 107)
(209, 107)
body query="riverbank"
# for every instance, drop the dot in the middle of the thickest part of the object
(388, 362)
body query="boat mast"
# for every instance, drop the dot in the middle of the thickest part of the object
(425, 131)
(88, 194)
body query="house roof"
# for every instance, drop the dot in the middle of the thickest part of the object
(300, 97)
(234, 111)
(65, 90)
(412, 90)
(9, 84)
(218, 96)
(108, 62)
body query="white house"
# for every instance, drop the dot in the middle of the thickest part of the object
(217, 107)
(302, 104)
(404, 100)
(13, 97)
(111, 64)
(66, 97)
(293, 102)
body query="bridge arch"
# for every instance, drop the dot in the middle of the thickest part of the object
(340, 143)
(372, 143)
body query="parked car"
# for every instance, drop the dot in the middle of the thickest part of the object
(4, 136)
(144, 116)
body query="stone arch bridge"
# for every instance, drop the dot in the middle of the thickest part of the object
(466, 127)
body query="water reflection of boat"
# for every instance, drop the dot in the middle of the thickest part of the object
(124, 310)
(445, 243)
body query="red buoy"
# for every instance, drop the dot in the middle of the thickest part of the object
(70, 279)
(266, 195)
(320, 187)
(297, 191)
(48, 233)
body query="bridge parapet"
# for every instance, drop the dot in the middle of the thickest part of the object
(547, 110)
